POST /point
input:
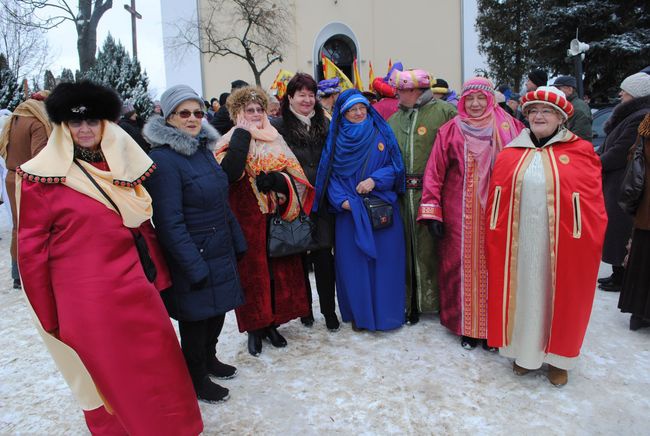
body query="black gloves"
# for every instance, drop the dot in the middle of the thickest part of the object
(200, 284)
(436, 228)
(273, 181)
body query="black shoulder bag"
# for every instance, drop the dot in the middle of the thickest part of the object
(286, 238)
(379, 211)
(633, 181)
(148, 265)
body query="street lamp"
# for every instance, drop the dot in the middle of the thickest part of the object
(577, 51)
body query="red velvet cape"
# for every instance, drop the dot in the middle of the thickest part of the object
(577, 221)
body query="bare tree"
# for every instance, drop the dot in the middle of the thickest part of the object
(25, 47)
(255, 31)
(85, 17)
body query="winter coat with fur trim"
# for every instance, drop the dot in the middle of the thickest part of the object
(621, 130)
(198, 232)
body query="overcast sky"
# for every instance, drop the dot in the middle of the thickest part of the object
(117, 21)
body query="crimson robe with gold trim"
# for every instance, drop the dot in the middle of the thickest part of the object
(577, 222)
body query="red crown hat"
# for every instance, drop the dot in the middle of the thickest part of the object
(551, 96)
(383, 88)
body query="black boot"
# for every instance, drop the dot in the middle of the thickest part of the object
(17, 284)
(486, 347)
(616, 282)
(308, 320)
(221, 370)
(254, 343)
(636, 323)
(413, 318)
(210, 392)
(276, 339)
(332, 322)
(604, 280)
(468, 343)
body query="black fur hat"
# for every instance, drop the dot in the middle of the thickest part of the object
(81, 101)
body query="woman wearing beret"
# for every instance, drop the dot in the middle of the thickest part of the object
(454, 199)
(198, 232)
(260, 167)
(366, 163)
(81, 208)
(545, 227)
(304, 127)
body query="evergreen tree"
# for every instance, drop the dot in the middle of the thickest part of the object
(504, 38)
(66, 76)
(618, 32)
(115, 68)
(49, 82)
(11, 94)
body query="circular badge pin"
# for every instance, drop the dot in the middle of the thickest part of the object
(505, 126)
(422, 130)
(381, 146)
(564, 159)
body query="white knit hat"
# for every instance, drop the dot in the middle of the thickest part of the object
(637, 85)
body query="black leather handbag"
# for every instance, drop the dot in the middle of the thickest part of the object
(286, 238)
(633, 181)
(146, 261)
(379, 211)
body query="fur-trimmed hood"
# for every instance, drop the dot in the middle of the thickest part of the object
(623, 110)
(158, 133)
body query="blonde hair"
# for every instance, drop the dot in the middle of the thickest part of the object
(242, 97)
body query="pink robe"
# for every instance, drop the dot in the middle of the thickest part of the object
(455, 190)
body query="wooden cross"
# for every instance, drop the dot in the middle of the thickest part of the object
(134, 14)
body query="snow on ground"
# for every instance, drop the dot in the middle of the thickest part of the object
(416, 380)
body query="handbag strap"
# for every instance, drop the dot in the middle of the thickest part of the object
(99, 188)
(295, 189)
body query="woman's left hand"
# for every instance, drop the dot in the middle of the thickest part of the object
(365, 186)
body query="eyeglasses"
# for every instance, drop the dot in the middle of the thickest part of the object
(78, 123)
(254, 110)
(360, 109)
(186, 114)
(546, 112)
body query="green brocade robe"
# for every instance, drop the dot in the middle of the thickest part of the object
(416, 131)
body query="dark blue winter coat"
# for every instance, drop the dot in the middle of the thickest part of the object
(194, 224)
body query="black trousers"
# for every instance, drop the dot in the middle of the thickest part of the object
(323, 262)
(199, 344)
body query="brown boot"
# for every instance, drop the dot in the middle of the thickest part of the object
(519, 370)
(558, 377)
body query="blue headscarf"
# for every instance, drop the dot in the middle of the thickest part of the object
(350, 143)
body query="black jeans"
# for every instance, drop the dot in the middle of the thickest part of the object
(323, 262)
(199, 344)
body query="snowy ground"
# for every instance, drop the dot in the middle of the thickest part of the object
(416, 380)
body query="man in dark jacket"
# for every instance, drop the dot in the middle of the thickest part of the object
(132, 124)
(580, 122)
(221, 120)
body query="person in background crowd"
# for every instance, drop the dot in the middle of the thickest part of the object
(545, 226)
(635, 294)
(441, 91)
(501, 102)
(132, 124)
(536, 78)
(156, 108)
(454, 200)
(328, 92)
(23, 137)
(387, 104)
(580, 122)
(81, 207)
(621, 129)
(304, 127)
(513, 104)
(365, 162)
(260, 168)
(415, 125)
(274, 108)
(505, 90)
(213, 109)
(199, 234)
(222, 120)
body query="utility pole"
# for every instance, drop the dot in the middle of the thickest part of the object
(134, 14)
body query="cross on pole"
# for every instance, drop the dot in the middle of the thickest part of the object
(134, 14)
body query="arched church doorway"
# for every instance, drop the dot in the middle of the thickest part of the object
(337, 42)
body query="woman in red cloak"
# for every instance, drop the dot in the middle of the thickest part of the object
(99, 314)
(259, 163)
(546, 224)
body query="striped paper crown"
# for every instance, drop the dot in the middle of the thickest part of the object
(551, 96)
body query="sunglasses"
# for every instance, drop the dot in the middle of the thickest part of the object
(186, 114)
(253, 110)
(78, 123)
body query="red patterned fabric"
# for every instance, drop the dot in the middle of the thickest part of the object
(544, 95)
(274, 289)
(82, 275)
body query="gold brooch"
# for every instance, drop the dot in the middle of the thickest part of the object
(422, 130)
(564, 159)
(381, 147)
